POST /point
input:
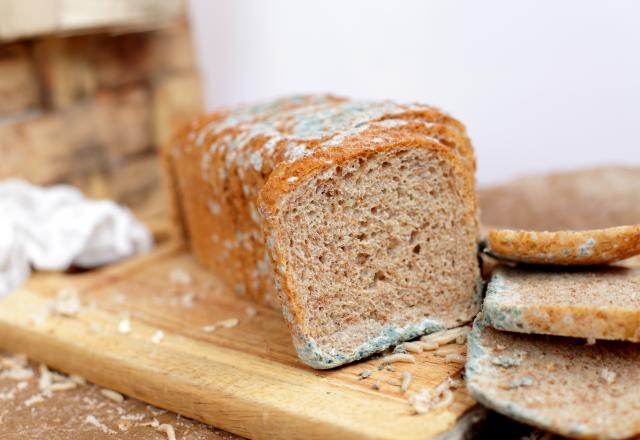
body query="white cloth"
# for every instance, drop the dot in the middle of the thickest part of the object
(56, 227)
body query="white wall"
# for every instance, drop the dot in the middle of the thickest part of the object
(541, 84)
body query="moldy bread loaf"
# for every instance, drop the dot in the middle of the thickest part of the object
(357, 218)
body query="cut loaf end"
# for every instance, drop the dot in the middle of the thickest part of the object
(372, 250)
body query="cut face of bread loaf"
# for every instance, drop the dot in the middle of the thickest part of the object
(601, 303)
(373, 251)
(601, 246)
(555, 383)
(367, 217)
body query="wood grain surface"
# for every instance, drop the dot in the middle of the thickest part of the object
(245, 379)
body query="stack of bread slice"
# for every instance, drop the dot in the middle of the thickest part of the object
(556, 344)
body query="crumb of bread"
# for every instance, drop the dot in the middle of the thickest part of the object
(227, 323)
(157, 337)
(591, 341)
(168, 430)
(450, 349)
(17, 374)
(67, 302)
(180, 276)
(251, 311)
(433, 399)
(78, 379)
(406, 381)
(455, 358)
(446, 336)
(187, 299)
(63, 386)
(36, 398)
(45, 377)
(429, 346)
(376, 385)
(124, 326)
(398, 357)
(390, 368)
(413, 347)
(112, 395)
(93, 421)
(364, 374)
(14, 362)
(209, 328)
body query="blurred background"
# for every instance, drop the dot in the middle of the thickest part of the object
(89, 90)
(541, 84)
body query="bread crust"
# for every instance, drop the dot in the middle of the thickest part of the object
(598, 246)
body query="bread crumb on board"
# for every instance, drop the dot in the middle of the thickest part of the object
(251, 311)
(224, 323)
(591, 341)
(413, 347)
(124, 326)
(364, 374)
(63, 386)
(112, 395)
(77, 379)
(93, 421)
(398, 357)
(438, 398)
(446, 336)
(157, 337)
(450, 349)
(180, 276)
(168, 430)
(455, 358)
(67, 302)
(407, 377)
(187, 299)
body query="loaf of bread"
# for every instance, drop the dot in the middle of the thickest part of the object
(555, 383)
(357, 219)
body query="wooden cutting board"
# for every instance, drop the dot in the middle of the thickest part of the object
(246, 379)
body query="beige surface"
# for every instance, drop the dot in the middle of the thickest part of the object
(592, 198)
(245, 379)
(67, 414)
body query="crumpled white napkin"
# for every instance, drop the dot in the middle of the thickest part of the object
(56, 227)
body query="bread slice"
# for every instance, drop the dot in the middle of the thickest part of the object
(598, 246)
(555, 383)
(599, 303)
(367, 231)
(594, 198)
